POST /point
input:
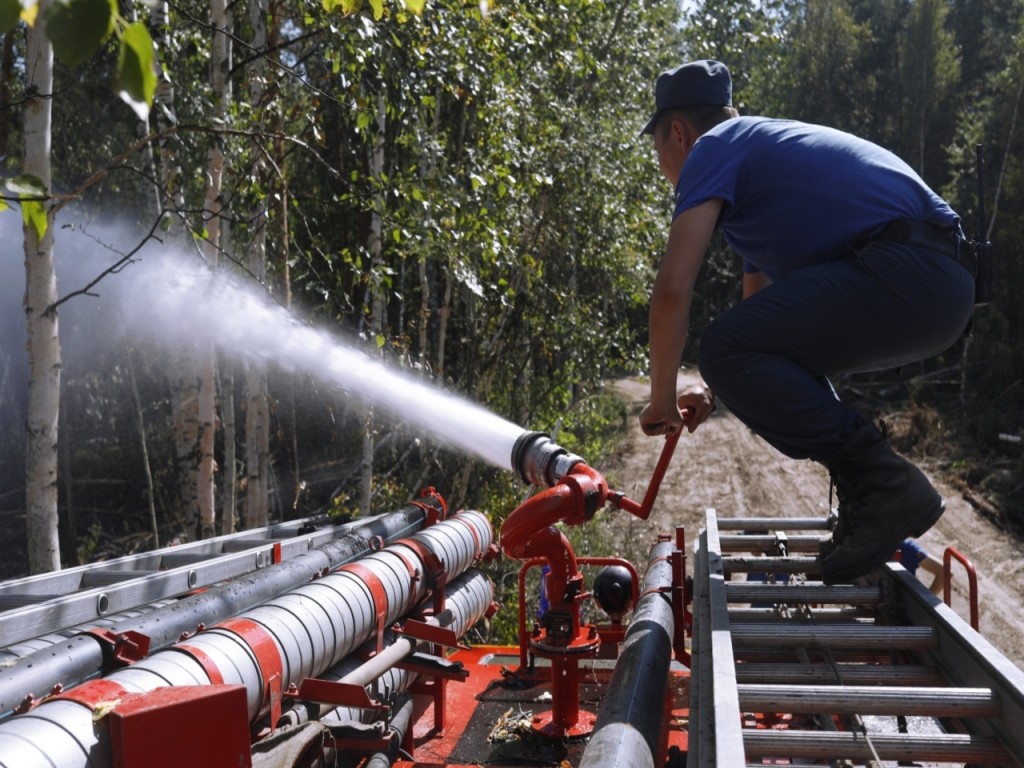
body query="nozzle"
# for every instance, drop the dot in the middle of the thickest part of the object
(539, 461)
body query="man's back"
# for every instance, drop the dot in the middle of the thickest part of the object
(797, 193)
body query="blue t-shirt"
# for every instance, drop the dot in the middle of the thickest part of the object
(795, 194)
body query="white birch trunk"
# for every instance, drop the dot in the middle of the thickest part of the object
(220, 64)
(183, 381)
(257, 402)
(375, 246)
(229, 488)
(41, 497)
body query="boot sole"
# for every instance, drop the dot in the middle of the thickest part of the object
(876, 558)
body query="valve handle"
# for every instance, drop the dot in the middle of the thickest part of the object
(643, 510)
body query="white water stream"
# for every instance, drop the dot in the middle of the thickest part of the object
(192, 304)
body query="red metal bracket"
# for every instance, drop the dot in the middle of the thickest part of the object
(203, 659)
(435, 667)
(335, 693)
(377, 592)
(683, 618)
(433, 513)
(93, 693)
(431, 633)
(261, 642)
(434, 574)
(361, 739)
(125, 647)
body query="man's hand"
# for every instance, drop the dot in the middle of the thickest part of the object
(691, 409)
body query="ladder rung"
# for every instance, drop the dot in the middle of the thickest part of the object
(19, 600)
(766, 543)
(240, 545)
(808, 654)
(106, 578)
(170, 562)
(829, 745)
(862, 674)
(874, 637)
(828, 615)
(771, 565)
(870, 700)
(752, 592)
(772, 523)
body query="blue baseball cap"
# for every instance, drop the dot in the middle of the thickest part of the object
(695, 84)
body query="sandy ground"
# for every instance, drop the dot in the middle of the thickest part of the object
(725, 466)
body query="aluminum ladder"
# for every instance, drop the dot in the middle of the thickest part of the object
(788, 669)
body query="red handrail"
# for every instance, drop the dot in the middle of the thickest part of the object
(950, 554)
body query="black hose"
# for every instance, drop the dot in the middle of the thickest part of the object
(628, 728)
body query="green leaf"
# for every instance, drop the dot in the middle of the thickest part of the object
(416, 6)
(378, 9)
(34, 215)
(380, 341)
(77, 28)
(351, 6)
(26, 185)
(136, 78)
(29, 190)
(10, 12)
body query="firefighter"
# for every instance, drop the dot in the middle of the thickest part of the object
(850, 263)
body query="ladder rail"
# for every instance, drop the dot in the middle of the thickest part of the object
(38, 605)
(719, 730)
(966, 657)
(760, 648)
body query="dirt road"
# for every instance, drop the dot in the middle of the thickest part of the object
(725, 466)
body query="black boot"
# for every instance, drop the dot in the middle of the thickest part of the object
(828, 544)
(883, 500)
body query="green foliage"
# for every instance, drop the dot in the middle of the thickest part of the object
(31, 193)
(136, 80)
(10, 12)
(77, 28)
(522, 217)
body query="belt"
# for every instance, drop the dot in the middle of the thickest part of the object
(946, 240)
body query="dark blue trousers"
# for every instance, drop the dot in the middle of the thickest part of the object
(768, 357)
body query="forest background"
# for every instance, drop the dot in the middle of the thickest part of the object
(456, 188)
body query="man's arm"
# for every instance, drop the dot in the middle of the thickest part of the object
(669, 321)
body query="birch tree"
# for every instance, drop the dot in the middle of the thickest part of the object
(40, 296)
(220, 65)
(257, 398)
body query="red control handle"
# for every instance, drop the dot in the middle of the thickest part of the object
(643, 510)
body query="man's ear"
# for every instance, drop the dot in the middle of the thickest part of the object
(688, 135)
(677, 130)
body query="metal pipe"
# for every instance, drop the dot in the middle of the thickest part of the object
(628, 726)
(295, 636)
(540, 461)
(398, 726)
(85, 656)
(874, 636)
